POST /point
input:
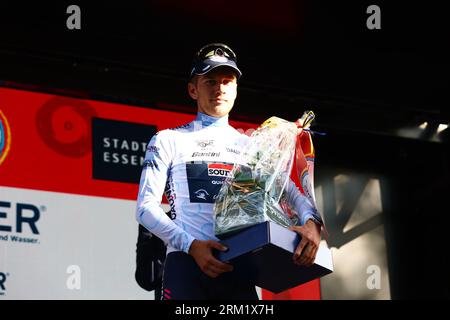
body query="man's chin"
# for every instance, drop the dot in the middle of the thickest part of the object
(220, 110)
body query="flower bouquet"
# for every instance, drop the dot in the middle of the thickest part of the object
(254, 191)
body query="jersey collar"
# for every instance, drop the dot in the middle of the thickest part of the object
(211, 121)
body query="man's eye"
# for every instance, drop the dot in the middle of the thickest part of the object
(211, 82)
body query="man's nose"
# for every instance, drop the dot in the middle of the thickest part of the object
(221, 87)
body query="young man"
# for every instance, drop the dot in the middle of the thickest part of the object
(181, 162)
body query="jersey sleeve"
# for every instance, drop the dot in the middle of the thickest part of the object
(156, 170)
(301, 204)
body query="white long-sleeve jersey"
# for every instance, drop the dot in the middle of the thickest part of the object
(189, 164)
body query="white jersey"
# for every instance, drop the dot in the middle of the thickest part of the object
(189, 163)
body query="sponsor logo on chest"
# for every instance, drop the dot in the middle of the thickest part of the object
(219, 170)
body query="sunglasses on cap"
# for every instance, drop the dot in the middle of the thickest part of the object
(214, 55)
(218, 49)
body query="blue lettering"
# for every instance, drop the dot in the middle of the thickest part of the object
(30, 220)
(3, 215)
(2, 281)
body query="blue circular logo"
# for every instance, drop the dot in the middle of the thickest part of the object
(5, 137)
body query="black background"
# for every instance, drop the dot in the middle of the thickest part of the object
(123, 172)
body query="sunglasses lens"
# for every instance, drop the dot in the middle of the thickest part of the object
(216, 49)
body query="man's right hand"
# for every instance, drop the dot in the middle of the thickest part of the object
(201, 250)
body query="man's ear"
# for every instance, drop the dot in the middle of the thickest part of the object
(192, 89)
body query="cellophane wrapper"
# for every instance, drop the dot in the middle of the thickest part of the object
(254, 191)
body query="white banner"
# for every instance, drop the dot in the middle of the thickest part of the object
(64, 246)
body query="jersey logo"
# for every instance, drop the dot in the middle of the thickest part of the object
(201, 194)
(205, 143)
(235, 151)
(205, 154)
(151, 164)
(219, 169)
(204, 180)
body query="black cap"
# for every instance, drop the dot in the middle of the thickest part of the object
(211, 56)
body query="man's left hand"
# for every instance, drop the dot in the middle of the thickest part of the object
(306, 251)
